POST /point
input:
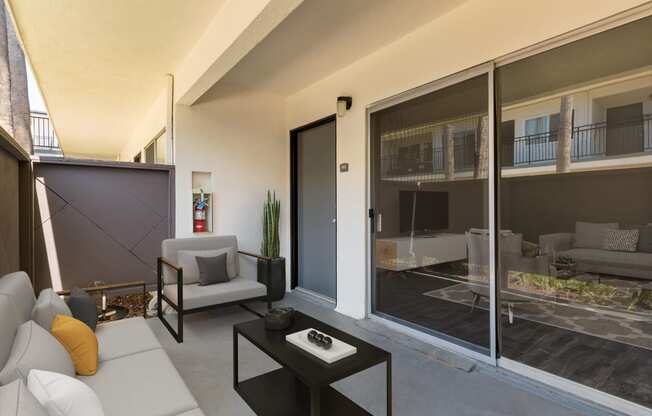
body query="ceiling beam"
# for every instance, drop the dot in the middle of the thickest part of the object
(233, 33)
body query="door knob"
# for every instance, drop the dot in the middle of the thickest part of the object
(334, 220)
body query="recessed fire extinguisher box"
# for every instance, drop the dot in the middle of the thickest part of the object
(202, 203)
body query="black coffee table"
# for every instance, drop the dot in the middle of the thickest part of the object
(302, 385)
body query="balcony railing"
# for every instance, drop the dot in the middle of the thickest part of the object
(43, 136)
(464, 161)
(587, 142)
(591, 141)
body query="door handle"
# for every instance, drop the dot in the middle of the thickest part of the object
(334, 220)
(379, 222)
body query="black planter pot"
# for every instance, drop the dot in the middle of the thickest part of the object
(273, 272)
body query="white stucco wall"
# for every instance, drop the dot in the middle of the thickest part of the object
(240, 138)
(476, 32)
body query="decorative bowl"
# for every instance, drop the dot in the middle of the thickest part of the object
(278, 319)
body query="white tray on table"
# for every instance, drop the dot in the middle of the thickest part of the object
(337, 351)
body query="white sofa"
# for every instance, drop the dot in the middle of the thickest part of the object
(594, 259)
(134, 376)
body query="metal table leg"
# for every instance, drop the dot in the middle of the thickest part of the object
(235, 357)
(389, 385)
(315, 401)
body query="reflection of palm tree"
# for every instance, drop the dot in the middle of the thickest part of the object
(414, 210)
(565, 134)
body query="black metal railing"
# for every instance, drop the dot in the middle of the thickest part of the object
(464, 159)
(590, 141)
(43, 135)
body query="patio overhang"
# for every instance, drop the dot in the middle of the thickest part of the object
(102, 66)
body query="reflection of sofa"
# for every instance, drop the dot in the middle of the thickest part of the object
(591, 257)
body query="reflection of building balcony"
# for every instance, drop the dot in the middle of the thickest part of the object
(44, 139)
(589, 142)
(433, 164)
(592, 141)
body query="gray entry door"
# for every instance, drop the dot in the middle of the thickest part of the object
(317, 210)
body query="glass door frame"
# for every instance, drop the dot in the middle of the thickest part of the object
(442, 340)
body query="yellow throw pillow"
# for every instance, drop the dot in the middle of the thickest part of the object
(80, 342)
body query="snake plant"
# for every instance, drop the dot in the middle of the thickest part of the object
(271, 242)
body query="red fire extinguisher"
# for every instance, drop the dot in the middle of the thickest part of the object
(199, 216)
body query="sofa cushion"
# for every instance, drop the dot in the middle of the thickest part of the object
(125, 337)
(195, 296)
(144, 384)
(645, 239)
(62, 395)
(637, 260)
(48, 305)
(83, 307)
(17, 400)
(8, 326)
(35, 348)
(188, 262)
(19, 289)
(591, 235)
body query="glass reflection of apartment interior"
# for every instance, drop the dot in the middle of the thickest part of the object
(573, 202)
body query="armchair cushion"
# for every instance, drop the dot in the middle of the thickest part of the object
(171, 247)
(188, 262)
(195, 296)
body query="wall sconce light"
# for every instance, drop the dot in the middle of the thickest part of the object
(343, 104)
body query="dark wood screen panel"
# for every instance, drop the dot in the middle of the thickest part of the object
(100, 222)
(9, 219)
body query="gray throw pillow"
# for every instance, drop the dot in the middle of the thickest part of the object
(186, 260)
(645, 239)
(621, 240)
(17, 400)
(35, 348)
(212, 270)
(83, 307)
(591, 235)
(48, 305)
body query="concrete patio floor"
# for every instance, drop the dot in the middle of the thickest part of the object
(424, 382)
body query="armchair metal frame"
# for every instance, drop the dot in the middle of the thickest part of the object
(178, 307)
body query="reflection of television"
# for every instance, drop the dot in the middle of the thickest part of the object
(430, 211)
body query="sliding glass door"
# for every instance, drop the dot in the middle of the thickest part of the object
(431, 246)
(534, 248)
(576, 211)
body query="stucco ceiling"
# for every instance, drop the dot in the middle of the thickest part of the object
(101, 64)
(321, 37)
